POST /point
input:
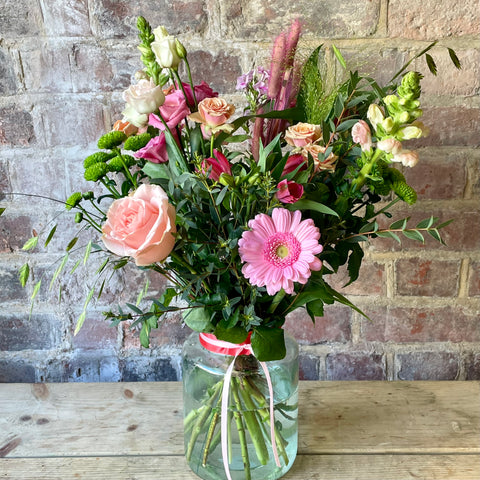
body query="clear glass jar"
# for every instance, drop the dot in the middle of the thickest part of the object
(250, 454)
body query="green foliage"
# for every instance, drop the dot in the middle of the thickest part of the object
(111, 140)
(136, 142)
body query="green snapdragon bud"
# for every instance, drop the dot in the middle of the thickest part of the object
(78, 217)
(410, 87)
(181, 50)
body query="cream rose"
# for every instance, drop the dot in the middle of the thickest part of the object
(314, 150)
(302, 134)
(141, 226)
(165, 49)
(145, 97)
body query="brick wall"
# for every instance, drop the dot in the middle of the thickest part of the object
(63, 66)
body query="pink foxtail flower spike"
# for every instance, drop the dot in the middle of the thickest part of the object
(277, 67)
(292, 42)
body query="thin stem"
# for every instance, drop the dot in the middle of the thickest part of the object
(241, 432)
(211, 430)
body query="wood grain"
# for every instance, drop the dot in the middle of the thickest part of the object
(348, 430)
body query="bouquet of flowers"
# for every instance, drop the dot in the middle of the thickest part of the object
(247, 215)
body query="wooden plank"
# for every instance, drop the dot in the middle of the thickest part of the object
(51, 420)
(306, 467)
(389, 417)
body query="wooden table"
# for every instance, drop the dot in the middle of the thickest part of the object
(348, 431)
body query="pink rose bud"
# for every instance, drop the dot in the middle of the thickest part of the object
(289, 192)
(141, 226)
(361, 134)
(293, 162)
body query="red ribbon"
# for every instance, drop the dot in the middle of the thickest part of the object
(213, 344)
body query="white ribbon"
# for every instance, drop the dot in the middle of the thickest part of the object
(213, 344)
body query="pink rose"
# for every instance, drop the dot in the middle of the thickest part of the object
(302, 134)
(141, 226)
(213, 112)
(202, 91)
(293, 162)
(156, 149)
(173, 111)
(145, 97)
(361, 134)
(219, 164)
(289, 192)
(327, 164)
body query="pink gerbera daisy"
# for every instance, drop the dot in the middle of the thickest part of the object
(280, 250)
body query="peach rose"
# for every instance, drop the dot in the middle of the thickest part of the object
(314, 150)
(126, 127)
(302, 134)
(141, 226)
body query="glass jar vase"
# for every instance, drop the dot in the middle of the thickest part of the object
(246, 437)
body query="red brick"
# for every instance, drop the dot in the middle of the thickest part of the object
(416, 325)
(429, 20)
(171, 331)
(474, 280)
(117, 18)
(8, 86)
(20, 18)
(264, 20)
(309, 367)
(95, 334)
(19, 332)
(206, 67)
(10, 287)
(463, 234)
(68, 18)
(427, 278)
(439, 175)
(427, 366)
(69, 121)
(457, 126)
(16, 127)
(15, 230)
(356, 366)
(371, 280)
(472, 366)
(450, 80)
(334, 326)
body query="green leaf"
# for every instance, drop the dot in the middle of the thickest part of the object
(354, 263)
(431, 64)
(198, 319)
(314, 309)
(50, 235)
(77, 263)
(346, 125)
(399, 224)
(1, 211)
(369, 227)
(80, 321)
(236, 334)
(339, 56)
(30, 243)
(59, 270)
(444, 224)
(454, 58)
(268, 343)
(24, 273)
(145, 335)
(36, 288)
(388, 234)
(341, 299)
(436, 235)
(142, 293)
(134, 308)
(71, 244)
(414, 235)
(156, 170)
(311, 205)
(427, 223)
(88, 249)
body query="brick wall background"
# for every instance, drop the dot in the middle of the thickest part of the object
(63, 66)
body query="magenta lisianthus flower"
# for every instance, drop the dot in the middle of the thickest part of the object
(280, 250)
(218, 163)
(155, 150)
(289, 192)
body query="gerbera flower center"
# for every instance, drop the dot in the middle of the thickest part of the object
(282, 249)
